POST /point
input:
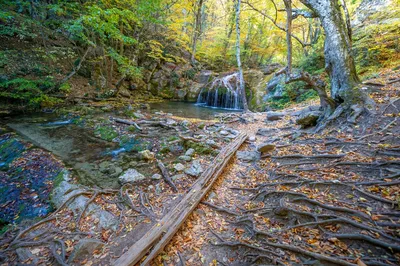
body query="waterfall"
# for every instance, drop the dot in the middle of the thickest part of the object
(224, 92)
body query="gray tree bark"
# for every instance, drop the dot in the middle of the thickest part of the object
(339, 62)
(196, 29)
(239, 62)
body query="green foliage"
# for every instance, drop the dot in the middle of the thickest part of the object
(106, 132)
(30, 92)
(200, 148)
(313, 63)
(65, 87)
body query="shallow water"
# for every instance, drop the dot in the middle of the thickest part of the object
(79, 148)
(188, 110)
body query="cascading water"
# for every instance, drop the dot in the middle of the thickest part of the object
(224, 93)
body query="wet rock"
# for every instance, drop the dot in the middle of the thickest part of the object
(131, 175)
(85, 247)
(204, 76)
(248, 156)
(176, 177)
(189, 152)
(274, 116)
(156, 177)
(185, 158)
(308, 118)
(195, 169)
(146, 155)
(179, 167)
(266, 147)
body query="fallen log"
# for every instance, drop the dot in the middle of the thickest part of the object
(160, 234)
(165, 174)
(127, 122)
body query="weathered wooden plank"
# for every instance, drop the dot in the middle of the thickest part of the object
(171, 222)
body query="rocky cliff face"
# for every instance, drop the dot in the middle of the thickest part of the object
(376, 31)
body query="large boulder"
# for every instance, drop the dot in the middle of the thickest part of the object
(84, 248)
(256, 81)
(66, 190)
(131, 175)
(308, 118)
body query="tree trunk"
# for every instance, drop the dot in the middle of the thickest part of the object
(239, 63)
(339, 62)
(196, 28)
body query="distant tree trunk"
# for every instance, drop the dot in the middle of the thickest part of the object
(196, 29)
(239, 63)
(339, 62)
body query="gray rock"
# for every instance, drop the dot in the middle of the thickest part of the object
(273, 116)
(232, 131)
(105, 167)
(266, 132)
(118, 170)
(171, 122)
(189, 152)
(309, 108)
(179, 167)
(185, 158)
(248, 156)
(181, 94)
(131, 175)
(271, 68)
(176, 177)
(186, 123)
(25, 254)
(66, 190)
(85, 247)
(138, 115)
(224, 133)
(146, 155)
(308, 118)
(212, 143)
(106, 219)
(156, 177)
(252, 138)
(195, 169)
(266, 147)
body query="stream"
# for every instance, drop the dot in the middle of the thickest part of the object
(96, 150)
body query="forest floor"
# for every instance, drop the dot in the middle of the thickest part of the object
(318, 199)
(327, 198)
